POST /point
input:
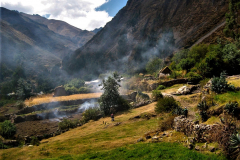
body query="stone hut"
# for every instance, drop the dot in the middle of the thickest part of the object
(164, 72)
(59, 91)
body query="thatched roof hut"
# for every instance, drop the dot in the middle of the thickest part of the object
(165, 70)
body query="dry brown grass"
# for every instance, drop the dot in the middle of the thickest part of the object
(49, 98)
(234, 81)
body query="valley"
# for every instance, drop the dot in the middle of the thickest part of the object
(160, 80)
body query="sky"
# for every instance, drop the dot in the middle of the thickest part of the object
(83, 14)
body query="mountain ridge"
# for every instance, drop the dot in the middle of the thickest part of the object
(159, 27)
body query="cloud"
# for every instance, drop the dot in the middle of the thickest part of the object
(79, 13)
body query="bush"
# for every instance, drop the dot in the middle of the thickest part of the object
(220, 84)
(156, 94)
(175, 75)
(203, 107)
(34, 141)
(166, 104)
(160, 87)
(67, 124)
(93, 113)
(7, 129)
(20, 105)
(187, 64)
(194, 77)
(235, 146)
(180, 111)
(166, 124)
(231, 108)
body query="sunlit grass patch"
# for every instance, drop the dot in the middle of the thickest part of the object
(226, 97)
(234, 81)
(212, 120)
(49, 98)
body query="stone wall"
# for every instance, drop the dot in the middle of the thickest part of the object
(45, 115)
(173, 82)
(200, 132)
(47, 106)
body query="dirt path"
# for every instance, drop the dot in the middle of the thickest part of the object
(209, 33)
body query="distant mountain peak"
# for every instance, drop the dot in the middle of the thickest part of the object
(97, 30)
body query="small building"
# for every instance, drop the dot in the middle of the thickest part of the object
(164, 72)
(59, 91)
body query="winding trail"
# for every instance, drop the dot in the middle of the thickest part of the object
(209, 33)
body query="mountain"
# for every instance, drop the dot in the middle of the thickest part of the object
(144, 29)
(31, 44)
(97, 30)
(76, 35)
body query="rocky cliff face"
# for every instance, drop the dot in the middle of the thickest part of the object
(147, 28)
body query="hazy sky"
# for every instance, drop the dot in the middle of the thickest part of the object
(84, 14)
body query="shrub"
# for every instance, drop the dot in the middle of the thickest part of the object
(187, 64)
(194, 77)
(77, 83)
(166, 104)
(231, 108)
(204, 116)
(20, 105)
(175, 75)
(166, 124)
(34, 141)
(93, 113)
(156, 94)
(222, 134)
(235, 145)
(160, 87)
(7, 129)
(67, 124)
(203, 107)
(179, 111)
(220, 84)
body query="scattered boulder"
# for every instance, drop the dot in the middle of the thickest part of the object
(155, 139)
(183, 90)
(140, 140)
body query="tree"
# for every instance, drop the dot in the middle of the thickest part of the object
(23, 89)
(110, 100)
(154, 65)
(187, 64)
(7, 129)
(232, 26)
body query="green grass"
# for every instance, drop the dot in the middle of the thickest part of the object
(145, 151)
(226, 97)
